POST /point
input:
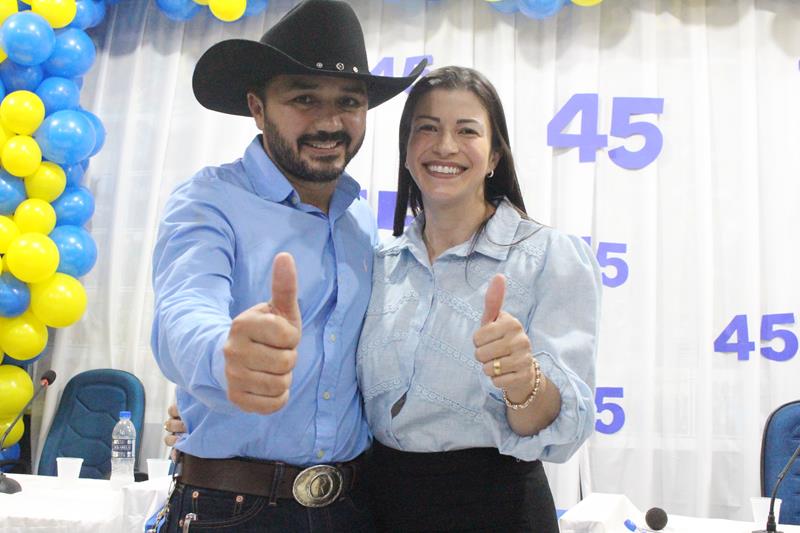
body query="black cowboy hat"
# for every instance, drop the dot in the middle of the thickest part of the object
(317, 37)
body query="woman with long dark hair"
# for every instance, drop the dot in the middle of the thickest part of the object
(476, 359)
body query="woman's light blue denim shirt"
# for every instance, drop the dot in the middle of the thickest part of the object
(417, 338)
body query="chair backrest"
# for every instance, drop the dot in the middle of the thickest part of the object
(87, 412)
(780, 440)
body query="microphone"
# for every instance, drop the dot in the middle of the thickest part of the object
(8, 485)
(656, 519)
(771, 525)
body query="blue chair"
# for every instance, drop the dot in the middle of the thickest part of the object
(87, 412)
(780, 440)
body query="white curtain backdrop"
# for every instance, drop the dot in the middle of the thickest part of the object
(700, 234)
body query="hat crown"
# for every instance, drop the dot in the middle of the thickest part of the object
(331, 36)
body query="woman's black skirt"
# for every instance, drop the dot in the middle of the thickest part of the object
(477, 489)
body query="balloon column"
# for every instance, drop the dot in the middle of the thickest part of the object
(225, 10)
(537, 9)
(46, 140)
(232, 10)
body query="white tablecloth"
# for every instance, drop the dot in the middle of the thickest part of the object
(606, 513)
(50, 505)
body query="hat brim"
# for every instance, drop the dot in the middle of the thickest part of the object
(229, 68)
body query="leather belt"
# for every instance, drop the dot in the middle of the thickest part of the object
(315, 486)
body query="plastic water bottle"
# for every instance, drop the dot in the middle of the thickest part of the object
(123, 450)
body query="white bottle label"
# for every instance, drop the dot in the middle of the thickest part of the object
(122, 448)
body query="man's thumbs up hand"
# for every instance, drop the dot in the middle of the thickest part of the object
(261, 349)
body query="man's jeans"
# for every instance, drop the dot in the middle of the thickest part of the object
(227, 511)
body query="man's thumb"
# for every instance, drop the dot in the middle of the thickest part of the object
(284, 288)
(493, 301)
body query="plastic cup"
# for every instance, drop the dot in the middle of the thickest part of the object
(760, 508)
(158, 468)
(69, 467)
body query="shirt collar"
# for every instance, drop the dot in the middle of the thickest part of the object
(268, 182)
(494, 242)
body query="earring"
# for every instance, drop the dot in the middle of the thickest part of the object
(490, 175)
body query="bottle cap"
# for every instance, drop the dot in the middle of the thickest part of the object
(124, 414)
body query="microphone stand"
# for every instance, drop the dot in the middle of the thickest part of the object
(771, 525)
(8, 485)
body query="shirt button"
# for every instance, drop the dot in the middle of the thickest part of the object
(294, 200)
(332, 337)
(326, 395)
(320, 454)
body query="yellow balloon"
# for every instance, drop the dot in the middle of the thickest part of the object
(15, 434)
(21, 156)
(47, 183)
(7, 8)
(32, 257)
(8, 232)
(22, 112)
(227, 10)
(58, 13)
(35, 216)
(4, 136)
(3, 55)
(58, 302)
(586, 3)
(23, 337)
(16, 388)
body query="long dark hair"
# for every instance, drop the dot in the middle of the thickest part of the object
(504, 181)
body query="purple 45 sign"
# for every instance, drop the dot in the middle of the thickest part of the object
(623, 125)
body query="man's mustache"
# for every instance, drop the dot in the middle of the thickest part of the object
(325, 136)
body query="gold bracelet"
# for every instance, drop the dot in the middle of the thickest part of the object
(537, 380)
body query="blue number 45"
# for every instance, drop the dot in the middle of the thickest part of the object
(743, 345)
(589, 140)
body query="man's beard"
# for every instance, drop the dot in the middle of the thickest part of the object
(289, 160)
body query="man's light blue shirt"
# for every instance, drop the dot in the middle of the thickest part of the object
(219, 234)
(423, 389)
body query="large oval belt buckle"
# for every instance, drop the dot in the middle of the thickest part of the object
(317, 486)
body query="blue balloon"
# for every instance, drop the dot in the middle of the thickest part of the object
(15, 296)
(22, 364)
(505, 6)
(77, 250)
(100, 12)
(20, 78)
(74, 207)
(2, 91)
(66, 137)
(84, 15)
(99, 131)
(74, 174)
(179, 10)
(12, 193)
(540, 9)
(58, 93)
(11, 453)
(27, 38)
(254, 7)
(73, 54)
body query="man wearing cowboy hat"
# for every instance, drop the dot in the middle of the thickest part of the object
(260, 343)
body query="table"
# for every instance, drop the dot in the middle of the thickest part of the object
(50, 505)
(606, 513)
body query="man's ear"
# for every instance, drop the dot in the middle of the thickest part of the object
(256, 109)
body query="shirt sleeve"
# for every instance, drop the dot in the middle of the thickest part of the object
(563, 328)
(192, 278)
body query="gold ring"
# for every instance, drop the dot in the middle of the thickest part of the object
(496, 367)
(165, 427)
